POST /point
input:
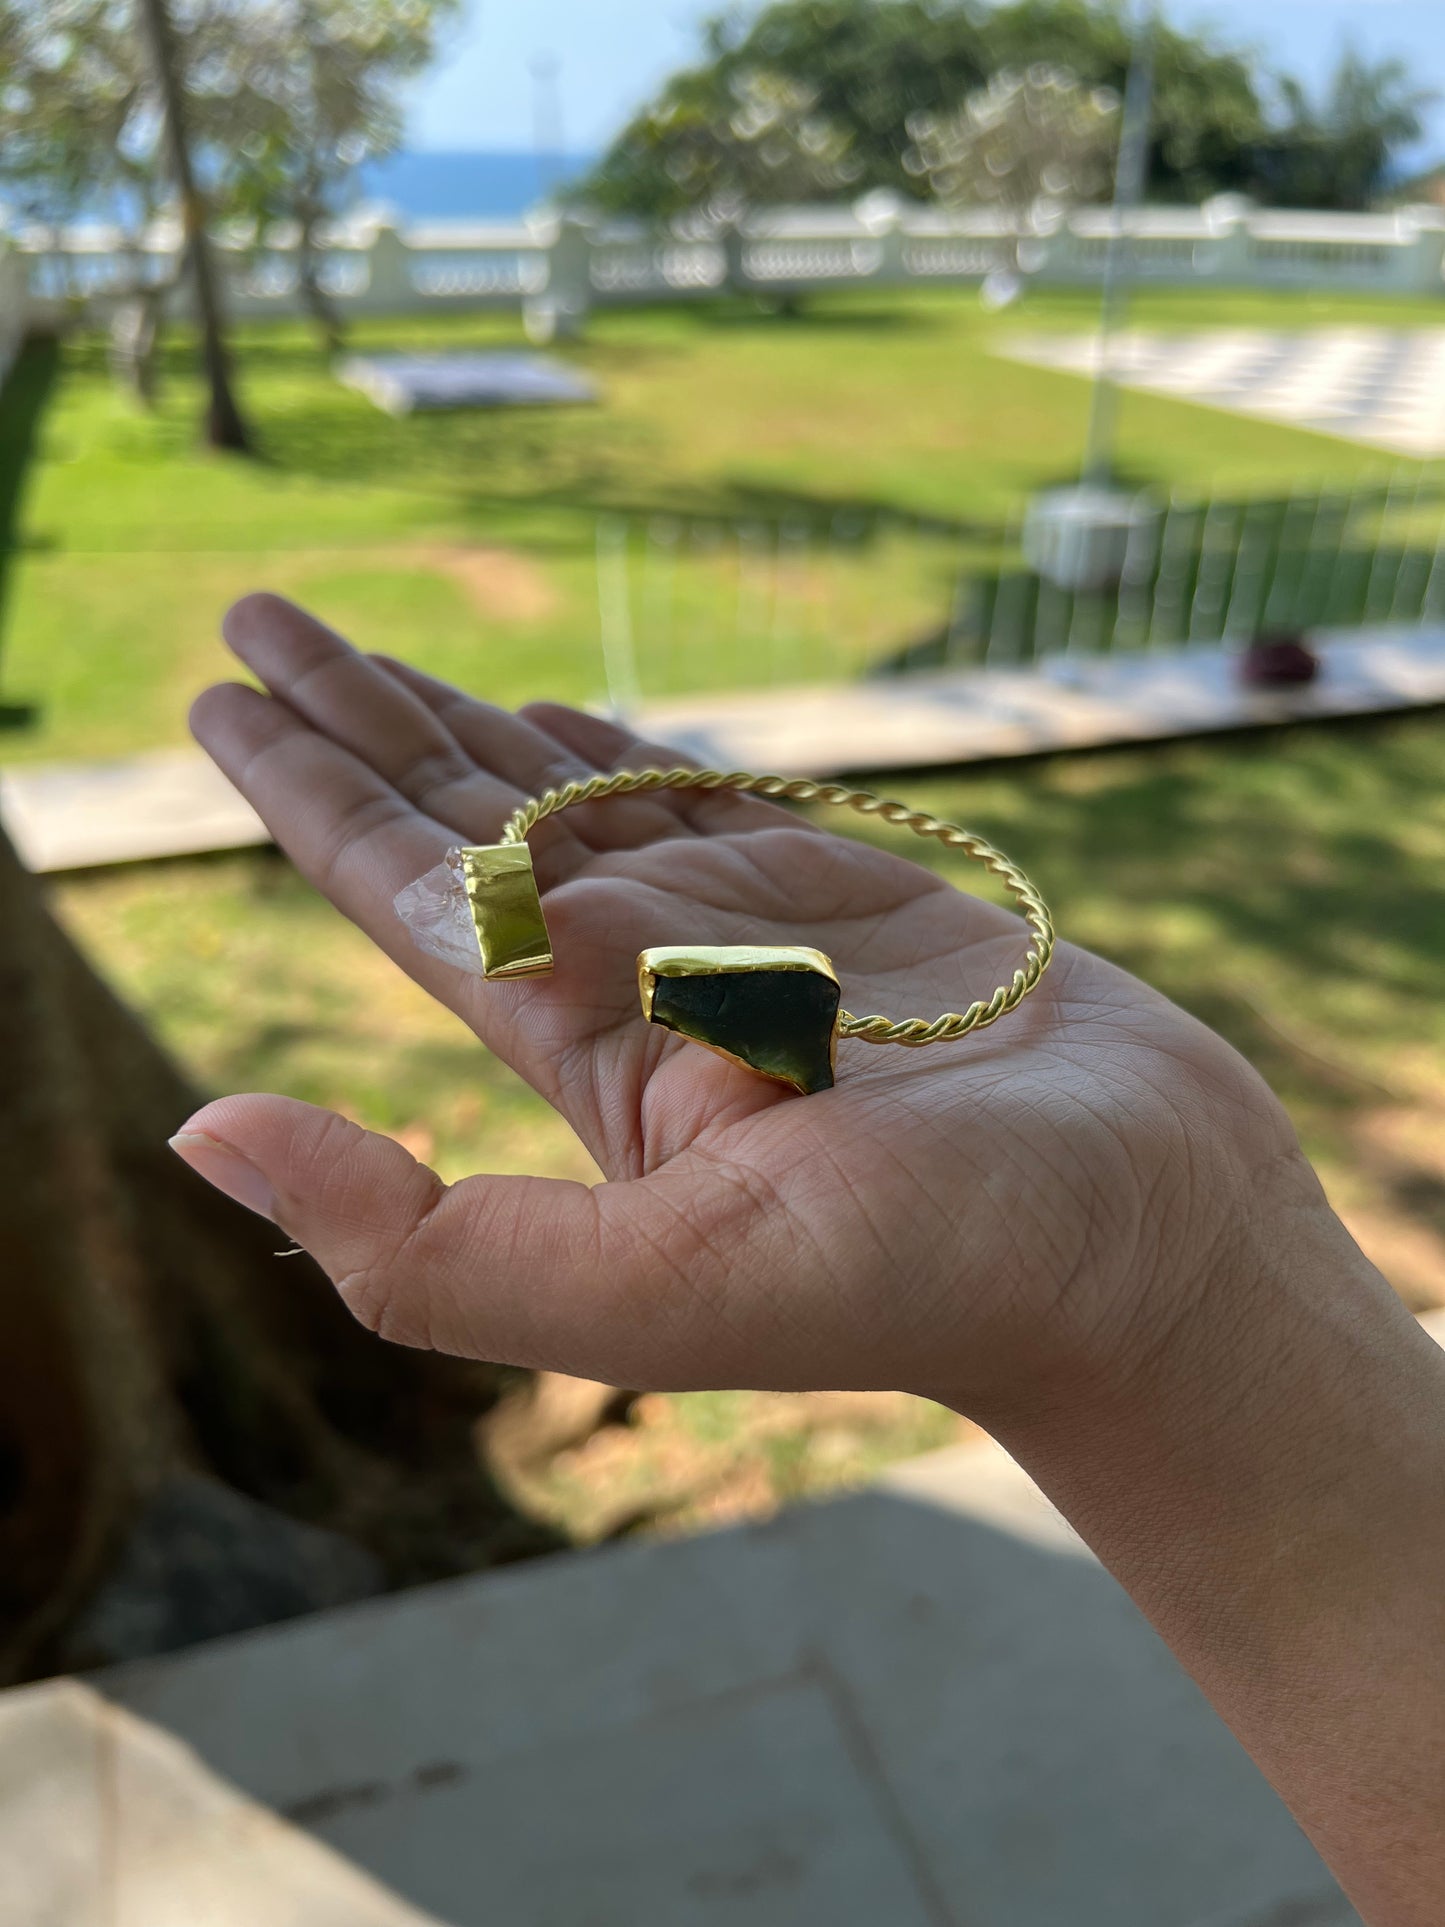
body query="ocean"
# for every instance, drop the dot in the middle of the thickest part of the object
(438, 186)
(434, 186)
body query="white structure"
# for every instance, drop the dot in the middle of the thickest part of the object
(556, 268)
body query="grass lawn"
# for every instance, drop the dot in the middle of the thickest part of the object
(468, 541)
(1285, 888)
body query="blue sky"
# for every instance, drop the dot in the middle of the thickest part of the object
(611, 53)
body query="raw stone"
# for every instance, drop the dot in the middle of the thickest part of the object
(435, 910)
(778, 1022)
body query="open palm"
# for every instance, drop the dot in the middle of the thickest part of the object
(964, 1220)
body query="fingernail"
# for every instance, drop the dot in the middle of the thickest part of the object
(218, 1164)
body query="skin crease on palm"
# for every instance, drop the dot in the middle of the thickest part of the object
(1032, 1207)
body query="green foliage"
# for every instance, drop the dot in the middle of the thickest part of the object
(1337, 151)
(317, 93)
(1207, 114)
(283, 98)
(863, 76)
(853, 72)
(869, 72)
(79, 114)
(1031, 136)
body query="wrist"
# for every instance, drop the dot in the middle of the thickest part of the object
(1264, 1482)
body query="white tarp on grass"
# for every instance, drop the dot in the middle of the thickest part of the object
(402, 384)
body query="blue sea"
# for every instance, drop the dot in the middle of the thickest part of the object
(438, 186)
(434, 186)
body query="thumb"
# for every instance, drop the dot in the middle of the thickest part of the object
(517, 1270)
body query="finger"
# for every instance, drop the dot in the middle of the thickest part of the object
(535, 760)
(360, 843)
(353, 837)
(350, 699)
(538, 1272)
(509, 745)
(346, 830)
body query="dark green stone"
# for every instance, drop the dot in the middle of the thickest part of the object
(778, 1022)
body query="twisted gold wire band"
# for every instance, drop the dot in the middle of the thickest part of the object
(913, 1031)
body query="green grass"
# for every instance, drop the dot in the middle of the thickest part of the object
(467, 541)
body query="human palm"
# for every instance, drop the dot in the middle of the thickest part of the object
(965, 1219)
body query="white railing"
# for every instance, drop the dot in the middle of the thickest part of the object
(556, 269)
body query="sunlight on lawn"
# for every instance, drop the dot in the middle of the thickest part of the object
(466, 541)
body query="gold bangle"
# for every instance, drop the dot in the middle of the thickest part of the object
(773, 1009)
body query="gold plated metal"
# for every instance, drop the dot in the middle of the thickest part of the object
(774, 1010)
(514, 941)
(506, 910)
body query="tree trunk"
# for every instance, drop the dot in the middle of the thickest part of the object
(314, 297)
(154, 1341)
(224, 426)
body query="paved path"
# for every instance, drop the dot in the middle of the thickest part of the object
(923, 1706)
(974, 716)
(168, 802)
(1384, 387)
(174, 803)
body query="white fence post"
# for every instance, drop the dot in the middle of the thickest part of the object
(389, 286)
(561, 308)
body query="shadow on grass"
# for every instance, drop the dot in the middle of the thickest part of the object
(1254, 844)
(23, 401)
(515, 461)
(583, 460)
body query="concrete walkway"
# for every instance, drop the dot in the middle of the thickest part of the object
(922, 1706)
(175, 803)
(979, 715)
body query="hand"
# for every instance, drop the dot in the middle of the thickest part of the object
(1089, 1227)
(974, 1220)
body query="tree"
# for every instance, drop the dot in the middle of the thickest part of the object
(224, 426)
(102, 107)
(869, 69)
(1339, 151)
(1026, 141)
(77, 128)
(275, 103)
(845, 74)
(317, 94)
(1207, 115)
(768, 144)
(155, 1344)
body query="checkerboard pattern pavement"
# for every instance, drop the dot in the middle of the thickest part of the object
(1383, 387)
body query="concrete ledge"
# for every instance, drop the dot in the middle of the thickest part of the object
(924, 1706)
(169, 802)
(174, 802)
(914, 722)
(106, 1821)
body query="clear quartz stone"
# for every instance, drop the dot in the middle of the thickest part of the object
(436, 912)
